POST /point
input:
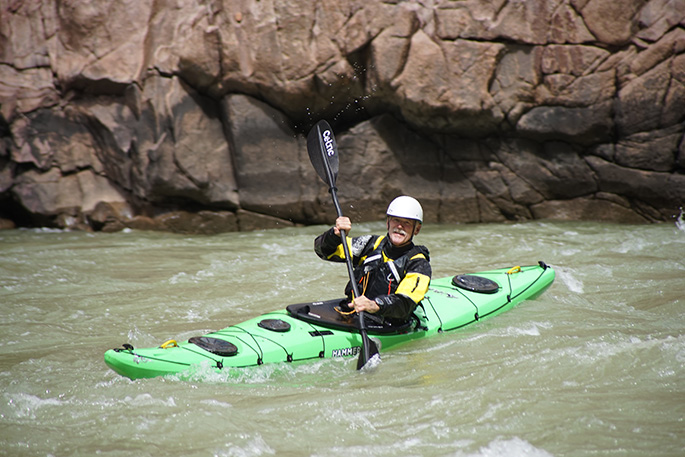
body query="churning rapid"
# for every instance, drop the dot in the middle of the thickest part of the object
(592, 367)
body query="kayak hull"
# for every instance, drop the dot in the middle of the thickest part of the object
(305, 332)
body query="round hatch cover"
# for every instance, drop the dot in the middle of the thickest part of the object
(275, 325)
(214, 345)
(476, 284)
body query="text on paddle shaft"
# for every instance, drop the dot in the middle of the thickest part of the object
(328, 141)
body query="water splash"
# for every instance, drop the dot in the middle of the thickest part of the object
(372, 363)
(680, 221)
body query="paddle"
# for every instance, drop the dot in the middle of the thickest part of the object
(323, 153)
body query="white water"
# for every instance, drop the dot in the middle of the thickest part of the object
(595, 366)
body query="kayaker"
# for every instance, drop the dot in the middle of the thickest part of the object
(392, 272)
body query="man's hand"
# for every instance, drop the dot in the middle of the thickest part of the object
(364, 304)
(342, 223)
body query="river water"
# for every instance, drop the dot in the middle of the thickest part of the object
(593, 367)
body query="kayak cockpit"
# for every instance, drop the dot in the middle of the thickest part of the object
(328, 314)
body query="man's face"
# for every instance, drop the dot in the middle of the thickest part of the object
(402, 230)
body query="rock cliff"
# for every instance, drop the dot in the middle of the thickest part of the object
(191, 115)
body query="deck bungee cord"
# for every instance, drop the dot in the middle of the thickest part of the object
(541, 264)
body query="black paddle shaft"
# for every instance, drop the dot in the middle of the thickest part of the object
(323, 153)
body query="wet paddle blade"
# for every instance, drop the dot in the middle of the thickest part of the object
(323, 152)
(368, 352)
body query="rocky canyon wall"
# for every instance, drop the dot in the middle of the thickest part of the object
(191, 115)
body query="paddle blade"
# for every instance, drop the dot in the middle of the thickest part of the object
(323, 152)
(368, 352)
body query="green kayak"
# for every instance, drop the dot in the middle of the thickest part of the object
(317, 330)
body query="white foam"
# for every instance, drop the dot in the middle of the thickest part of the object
(574, 284)
(216, 266)
(48, 230)
(255, 447)
(513, 447)
(215, 402)
(149, 400)
(203, 274)
(530, 330)
(632, 245)
(192, 315)
(26, 405)
(178, 277)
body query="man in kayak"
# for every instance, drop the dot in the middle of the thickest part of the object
(392, 272)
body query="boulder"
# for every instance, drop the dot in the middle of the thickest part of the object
(51, 193)
(587, 209)
(271, 165)
(202, 222)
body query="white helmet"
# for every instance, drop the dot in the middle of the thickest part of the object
(406, 208)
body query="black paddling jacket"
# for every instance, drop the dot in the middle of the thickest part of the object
(396, 278)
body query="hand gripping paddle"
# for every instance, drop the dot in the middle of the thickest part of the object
(323, 153)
